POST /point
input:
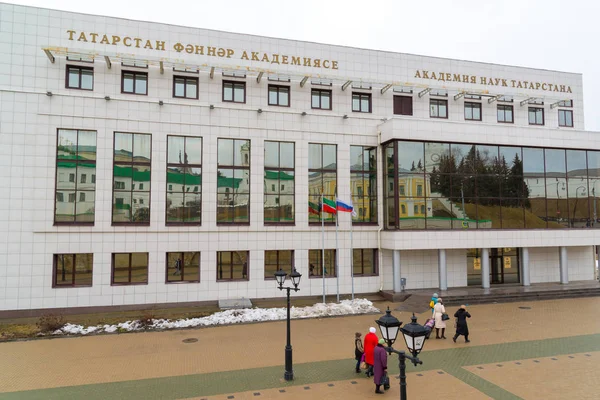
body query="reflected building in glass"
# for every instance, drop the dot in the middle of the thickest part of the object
(206, 165)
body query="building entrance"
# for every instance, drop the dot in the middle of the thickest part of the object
(504, 266)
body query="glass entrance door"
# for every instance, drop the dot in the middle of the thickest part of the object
(504, 266)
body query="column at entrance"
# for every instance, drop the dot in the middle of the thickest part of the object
(564, 265)
(485, 268)
(442, 269)
(396, 270)
(525, 266)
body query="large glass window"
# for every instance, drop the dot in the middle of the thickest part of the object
(279, 182)
(232, 265)
(80, 77)
(183, 267)
(131, 178)
(364, 262)
(322, 178)
(75, 177)
(185, 87)
(536, 116)
(184, 180)
(129, 268)
(276, 260)
(134, 82)
(233, 181)
(317, 266)
(468, 186)
(234, 91)
(363, 183)
(72, 270)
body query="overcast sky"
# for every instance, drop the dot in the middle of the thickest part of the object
(559, 35)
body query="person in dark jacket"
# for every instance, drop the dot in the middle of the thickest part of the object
(379, 365)
(461, 323)
(358, 350)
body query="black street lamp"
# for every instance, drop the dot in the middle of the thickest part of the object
(414, 336)
(280, 277)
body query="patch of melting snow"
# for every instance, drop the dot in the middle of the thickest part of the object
(228, 317)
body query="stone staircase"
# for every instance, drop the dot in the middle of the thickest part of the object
(500, 297)
(457, 211)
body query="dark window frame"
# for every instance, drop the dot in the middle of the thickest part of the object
(79, 68)
(219, 271)
(233, 86)
(332, 256)
(277, 89)
(322, 171)
(129, 283)
(403, 107)
(75, 180)
(135, 75)
(183, 280)
(362, 264)
(185, 86)
(535, 110)
(233, 168)
(183, 166)
(361, 97)
(132, 164)
(504, 108)
(56, 285)
(368, 198)
(565, 125)
(279, 184)
(473, 105)
(438, 103)
(320, 93)
(293, 265)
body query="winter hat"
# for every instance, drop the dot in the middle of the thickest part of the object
(381, 341)
(439, 300)
(435, 295)
(372, 330)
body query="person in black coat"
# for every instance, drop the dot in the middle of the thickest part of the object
(461, 323)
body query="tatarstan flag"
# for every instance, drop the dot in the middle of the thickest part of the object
(314, 208)
(329, 206)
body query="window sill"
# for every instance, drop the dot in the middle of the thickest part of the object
(180, 282)
(73, 223)
(233, 280)
(320, 277)
(69, 286)
(128, 283)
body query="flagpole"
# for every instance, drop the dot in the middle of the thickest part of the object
(323, 249)
(337, 251)
(351, 255)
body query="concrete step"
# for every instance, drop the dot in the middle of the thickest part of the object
(531, 296)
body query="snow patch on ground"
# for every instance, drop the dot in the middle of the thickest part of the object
(345, 307)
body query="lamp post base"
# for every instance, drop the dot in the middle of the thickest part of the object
(289, 372)
(288, 375)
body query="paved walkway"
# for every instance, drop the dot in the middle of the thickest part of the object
(555, 344)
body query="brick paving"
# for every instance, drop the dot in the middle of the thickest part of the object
(246, 361)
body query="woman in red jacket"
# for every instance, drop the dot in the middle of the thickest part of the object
(371, 341)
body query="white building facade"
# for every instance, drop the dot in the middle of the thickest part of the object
(145, 163)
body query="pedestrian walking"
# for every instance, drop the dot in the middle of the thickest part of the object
(358, 350)
(380, 367)
(177, 267)
(440, 321)
(433, 302)
(370, 344)
(462, 328)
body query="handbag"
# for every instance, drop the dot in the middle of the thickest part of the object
(445, 317)
(385, 381)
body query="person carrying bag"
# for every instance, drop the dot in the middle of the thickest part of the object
(359, 352)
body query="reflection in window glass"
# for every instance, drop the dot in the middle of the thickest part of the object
(233, 181)
(130, 268)
(364, 262)
(72, 270)
(279, 182)
(183, 267)
(232, 265)
(276, 260)
(75, 161)
(184, 180)
(363, 182)
(322, 178)
(131, 178)
(317, 266)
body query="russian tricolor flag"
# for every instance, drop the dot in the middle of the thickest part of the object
(342, 206)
